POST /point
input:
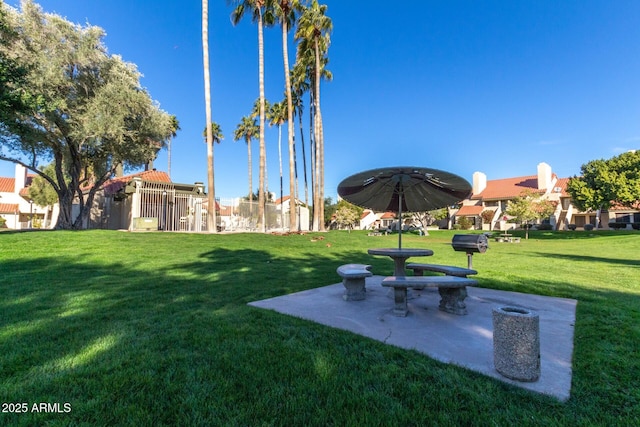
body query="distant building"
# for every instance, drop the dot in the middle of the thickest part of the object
(283, 206)
(16, 207)
(494, 196)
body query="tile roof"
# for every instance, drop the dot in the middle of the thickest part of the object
(365, 213)
(507, 188)
(9, 207)
(470, 210)
(562, 183)
(388, 215)
(7, 185)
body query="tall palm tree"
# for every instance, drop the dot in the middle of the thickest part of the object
(285, 12)
(248, 129)
(216, 133)
(299, 87)
(211, 195)
(277, 115)
(255, 113)
(216, 137)
(175, 127)
(261, 13)
(314, 27)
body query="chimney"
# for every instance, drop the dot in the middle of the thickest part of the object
(544, 176)
(21, 178)
(479, 182)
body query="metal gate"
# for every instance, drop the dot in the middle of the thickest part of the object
(174, 209)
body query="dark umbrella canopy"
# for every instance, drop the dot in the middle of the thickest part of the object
(404, 189)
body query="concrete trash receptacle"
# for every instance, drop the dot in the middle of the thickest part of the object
(516, 343)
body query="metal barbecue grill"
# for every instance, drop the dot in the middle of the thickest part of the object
(470, 243)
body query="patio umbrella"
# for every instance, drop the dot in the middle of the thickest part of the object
(404, 189)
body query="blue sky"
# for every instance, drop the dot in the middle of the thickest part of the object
(462, 86)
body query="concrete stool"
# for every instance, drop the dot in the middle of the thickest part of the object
(353, 279)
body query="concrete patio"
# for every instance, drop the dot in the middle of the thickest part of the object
(466, 341)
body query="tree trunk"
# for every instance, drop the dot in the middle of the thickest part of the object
(263, 151)
(250, 177)
(304, 161)
(319, 143)
(290, 130)
(211, 203)
(280, 161)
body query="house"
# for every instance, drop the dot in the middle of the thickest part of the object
(283, 207)
(493, 196)
(368, 220)
(17, 210)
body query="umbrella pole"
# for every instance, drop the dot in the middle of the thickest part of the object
(400, 221)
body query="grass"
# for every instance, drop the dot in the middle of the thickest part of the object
(153, 329)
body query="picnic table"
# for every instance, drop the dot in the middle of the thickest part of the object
(400, 256)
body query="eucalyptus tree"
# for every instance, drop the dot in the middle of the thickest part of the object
(285, 12)
(211, 194)
(277, 116)
(91, 115)
(248, 129)
(14, 92)
(313, 28)
(261, 14)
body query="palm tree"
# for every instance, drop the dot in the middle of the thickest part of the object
(285, 11)
(262, 15)
(211, 196)
(255, 113)
(216, 133)
(313, 28)
(175, 127)
(216, 136)
(247, 129)
(277, 115)
(299, 87)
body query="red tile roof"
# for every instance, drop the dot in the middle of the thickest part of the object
(507, 188)
(9, 207)
(469, 210)
(7, 185)
(562, 183)
(365, 213)
(388, 215)
(282, 200)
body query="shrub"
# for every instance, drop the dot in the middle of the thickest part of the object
(617, 225)
(465, 223)
(588, 227)
(487, 216)
(545, 227)
(635, 225)
(2, 222)
(457, 226)
(571, 227)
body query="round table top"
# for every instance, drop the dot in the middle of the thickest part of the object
(397, 252)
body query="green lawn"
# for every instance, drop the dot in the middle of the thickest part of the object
(153, 329)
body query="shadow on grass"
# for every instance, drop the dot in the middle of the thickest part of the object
(178, 345)
(634, 263)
